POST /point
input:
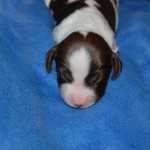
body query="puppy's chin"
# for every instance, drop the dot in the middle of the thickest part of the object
(77, 96)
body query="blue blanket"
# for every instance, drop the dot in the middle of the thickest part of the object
(32, 113)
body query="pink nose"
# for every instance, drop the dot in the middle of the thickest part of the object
(79, 101)
(80, 104)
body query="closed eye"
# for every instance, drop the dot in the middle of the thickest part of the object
(94, 78)
(66, 76)
(64, 73)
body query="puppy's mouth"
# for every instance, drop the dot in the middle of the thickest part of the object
(75, 101)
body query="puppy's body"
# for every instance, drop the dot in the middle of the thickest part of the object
(85, 53)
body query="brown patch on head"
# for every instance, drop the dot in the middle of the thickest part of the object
(99, 44)
(100, 65)
(67, 45)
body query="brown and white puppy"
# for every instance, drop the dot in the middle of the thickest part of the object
(86, 49)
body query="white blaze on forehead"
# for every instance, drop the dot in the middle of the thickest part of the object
(79, 63)
(77, 92)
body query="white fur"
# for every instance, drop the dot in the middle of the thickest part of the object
(47, 2)
(91, 3)
(85, 20)
(88, 2)
(79, 64)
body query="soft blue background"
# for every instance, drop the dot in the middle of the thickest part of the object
(32, 113)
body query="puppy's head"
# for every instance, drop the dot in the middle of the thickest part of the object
(83, 67)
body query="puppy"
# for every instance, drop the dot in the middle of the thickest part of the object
(86, 49)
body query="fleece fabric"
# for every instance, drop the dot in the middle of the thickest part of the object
(32, 114)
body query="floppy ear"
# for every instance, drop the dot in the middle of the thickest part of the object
(117, 65)
(49, 58)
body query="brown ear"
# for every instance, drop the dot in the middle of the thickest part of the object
(117, 65)
(49, 58)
